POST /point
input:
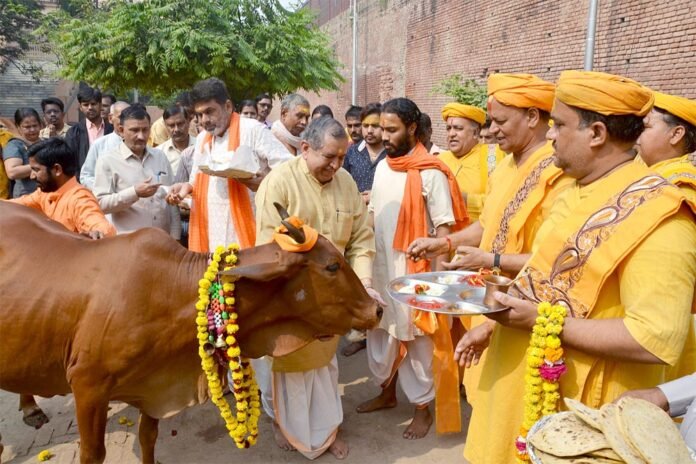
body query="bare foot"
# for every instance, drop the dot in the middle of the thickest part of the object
(34, 417)
(280, 439)
(354, 347)
(339, 448)
(385, 400)
(419, 426)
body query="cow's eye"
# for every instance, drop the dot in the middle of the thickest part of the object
(333, 267)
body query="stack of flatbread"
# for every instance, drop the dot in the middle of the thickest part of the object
(632, 431)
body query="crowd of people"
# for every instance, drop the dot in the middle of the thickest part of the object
(584, 188)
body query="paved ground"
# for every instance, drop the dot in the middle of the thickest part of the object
(197, 435)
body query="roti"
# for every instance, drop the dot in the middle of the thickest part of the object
(614, 435)
(565, 435)
(607, 453)
(589, 415)
(546, 458)
(652, 432)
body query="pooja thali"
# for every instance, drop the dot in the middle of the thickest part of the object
(447, 292)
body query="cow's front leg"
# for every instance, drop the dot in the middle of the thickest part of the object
(147, 434)
(32, 415)
(91, 407)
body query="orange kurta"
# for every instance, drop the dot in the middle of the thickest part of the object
(72, 205)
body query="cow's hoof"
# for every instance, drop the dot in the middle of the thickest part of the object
(35, 417)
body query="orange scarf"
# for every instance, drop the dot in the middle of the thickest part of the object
(240, 203)
(412, 224)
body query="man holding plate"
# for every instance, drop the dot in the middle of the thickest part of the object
(231, 158)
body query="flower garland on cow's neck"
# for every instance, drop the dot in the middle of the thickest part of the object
(217, 325)
(545, 365)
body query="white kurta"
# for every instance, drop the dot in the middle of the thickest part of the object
(269, 152)
(387, 193)
(396, 326)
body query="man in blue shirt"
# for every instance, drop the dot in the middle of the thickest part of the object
(362, 158)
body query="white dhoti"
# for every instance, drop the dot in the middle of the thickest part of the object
(415, 369)
(305, 405)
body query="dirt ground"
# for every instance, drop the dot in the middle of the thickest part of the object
(197, 435)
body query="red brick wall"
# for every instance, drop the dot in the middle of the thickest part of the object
(407, 46)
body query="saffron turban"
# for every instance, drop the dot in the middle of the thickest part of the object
(681, 107)
(459, 110)
(604, 93)
(521, 91)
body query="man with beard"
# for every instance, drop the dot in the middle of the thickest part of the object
(177, 121)
(82, 135)
(103, 145)
(470, 161)
(128, 181)
(413, 195)
(221, 212)
(54, 114)
(264, 105)
(294, 116)
(354, 124)
(59, 195)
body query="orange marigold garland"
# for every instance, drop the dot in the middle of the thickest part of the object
(217, 325)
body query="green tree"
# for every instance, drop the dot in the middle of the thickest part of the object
(17, 19)
(466, 91)
(163, 46)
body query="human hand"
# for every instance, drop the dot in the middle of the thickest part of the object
(472, 345)
(427, 247)
(374, 294)
(652, 395)
(521, 315)
(146, 189)
(178, 192)
(468, 257)
(253, 183)
(366, 196)
(52, 132)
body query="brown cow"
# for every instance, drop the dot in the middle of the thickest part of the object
(114, 319)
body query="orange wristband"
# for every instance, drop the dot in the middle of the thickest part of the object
(449, 243)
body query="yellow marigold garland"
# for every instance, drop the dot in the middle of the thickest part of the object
(545, 365)
(217, 325)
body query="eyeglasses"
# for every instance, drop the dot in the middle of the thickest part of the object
(52, 112)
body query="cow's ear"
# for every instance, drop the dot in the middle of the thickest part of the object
(285, 264)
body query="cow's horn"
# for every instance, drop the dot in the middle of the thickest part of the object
(282, 211)
(296, 234)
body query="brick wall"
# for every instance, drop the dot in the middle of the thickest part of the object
(406, 46)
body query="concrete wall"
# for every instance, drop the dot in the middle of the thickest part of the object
(407, 46)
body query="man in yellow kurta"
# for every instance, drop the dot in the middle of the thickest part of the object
(302, 394)
(470, 161)
(668, 138)
(627, 247)
(523, 186)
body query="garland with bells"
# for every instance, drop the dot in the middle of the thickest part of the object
(217, 345)
(545, 366)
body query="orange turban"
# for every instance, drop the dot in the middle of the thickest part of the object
(681, 107)
(459, 110)
(604, 93)
(521, 91)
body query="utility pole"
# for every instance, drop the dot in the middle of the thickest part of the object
(591, 30)
(354, 78)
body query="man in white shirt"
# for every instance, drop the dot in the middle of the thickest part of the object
(222, 210)
(128, 182)
(103, 145)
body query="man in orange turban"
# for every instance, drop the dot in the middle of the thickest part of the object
(668, 138)
(618, 252)
(470, 161)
